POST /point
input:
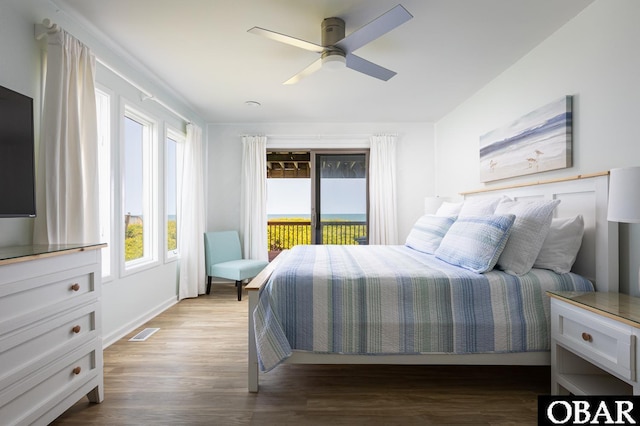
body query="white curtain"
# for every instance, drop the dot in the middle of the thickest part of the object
(254, 197)
(383, 228)
(68, 204)
(191, 217)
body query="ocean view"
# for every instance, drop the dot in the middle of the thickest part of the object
(349, 217)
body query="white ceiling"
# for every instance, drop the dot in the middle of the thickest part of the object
(201, 49)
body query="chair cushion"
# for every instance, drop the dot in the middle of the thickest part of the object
(237, 270)
(221, 246)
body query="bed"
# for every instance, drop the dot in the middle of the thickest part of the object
(417, 304)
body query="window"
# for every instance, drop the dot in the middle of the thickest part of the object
(140, 156)
(103, 110)
(173, 161)
(139, 190)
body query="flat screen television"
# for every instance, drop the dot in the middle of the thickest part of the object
(17, 163)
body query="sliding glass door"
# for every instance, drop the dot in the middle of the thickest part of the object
(339, 199)
(316, 197)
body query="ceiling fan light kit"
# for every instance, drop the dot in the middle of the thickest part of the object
(333, 60)
(337, 50)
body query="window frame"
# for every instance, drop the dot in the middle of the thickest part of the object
(180, 139)
(151, 202)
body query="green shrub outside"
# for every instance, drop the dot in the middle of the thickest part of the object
(134, 240)
(332, 234)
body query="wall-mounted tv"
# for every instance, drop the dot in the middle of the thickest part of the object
(17, 163)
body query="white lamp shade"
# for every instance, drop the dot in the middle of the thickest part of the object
(431, 204)
(624, 195)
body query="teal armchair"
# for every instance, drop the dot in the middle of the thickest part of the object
(223, 259)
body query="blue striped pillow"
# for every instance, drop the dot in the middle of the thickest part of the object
(428, 231)
(476, 242)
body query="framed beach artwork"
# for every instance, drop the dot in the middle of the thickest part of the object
(536, 142)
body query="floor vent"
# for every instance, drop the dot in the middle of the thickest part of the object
(143, 335)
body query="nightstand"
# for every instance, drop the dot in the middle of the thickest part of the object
(594, 343)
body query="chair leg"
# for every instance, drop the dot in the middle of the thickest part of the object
(239, 285)
(208, 284)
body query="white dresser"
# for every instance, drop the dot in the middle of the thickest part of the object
(50, 331)
(594, 339)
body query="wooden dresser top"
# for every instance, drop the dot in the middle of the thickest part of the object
(15, 254)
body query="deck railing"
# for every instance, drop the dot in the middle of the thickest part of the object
(343, 232)
(283, 234)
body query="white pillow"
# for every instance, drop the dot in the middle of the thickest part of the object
(448, 208)
(479, 206)
(475, 242)
(560, 248)
(428, 231)
(533, 219)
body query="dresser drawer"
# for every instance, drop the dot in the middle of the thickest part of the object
(47, 285)
(25, 350)
(43, 296)
(605, 342)
(25, 401)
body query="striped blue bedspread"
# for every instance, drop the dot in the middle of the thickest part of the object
(396, 300)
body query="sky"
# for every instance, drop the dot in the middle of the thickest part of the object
(133, 191)
(133, 169)
(293, 196)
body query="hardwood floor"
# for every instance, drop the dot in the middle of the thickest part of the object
(193, 372)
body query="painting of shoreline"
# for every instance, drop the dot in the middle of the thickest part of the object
(537, 142)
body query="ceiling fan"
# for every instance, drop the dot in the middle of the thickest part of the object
(337, 50)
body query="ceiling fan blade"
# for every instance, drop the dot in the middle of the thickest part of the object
(374, 29)
(315, 66)
(358, 64)
(287, 39)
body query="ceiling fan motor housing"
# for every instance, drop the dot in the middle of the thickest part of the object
(332, 31)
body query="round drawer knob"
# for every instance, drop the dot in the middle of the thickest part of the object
(76, 329)
(586, 337)
(77, 370)
(75, 286)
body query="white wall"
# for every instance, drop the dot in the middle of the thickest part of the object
(128, 301)
(224, 150)
(595, 58)
(19, 71)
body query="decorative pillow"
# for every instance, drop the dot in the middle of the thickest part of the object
(448, 208)
(475, 242)
(560, 248)
(533, 219)
(428, 231)
(480, 206)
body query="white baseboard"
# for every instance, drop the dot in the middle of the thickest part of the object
(137, 322)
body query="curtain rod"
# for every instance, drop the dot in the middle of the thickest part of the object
(49, 27)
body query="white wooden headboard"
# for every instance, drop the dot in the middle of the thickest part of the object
(587, 195)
